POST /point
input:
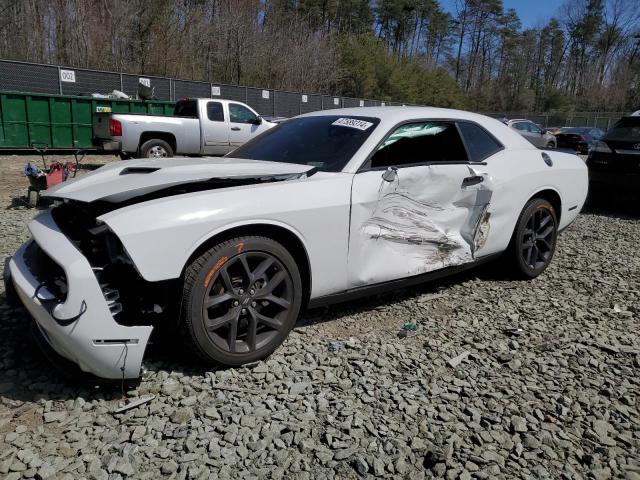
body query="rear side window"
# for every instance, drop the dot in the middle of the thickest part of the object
(479, 143)
(423, 142)
(186, 108)
(215, 112)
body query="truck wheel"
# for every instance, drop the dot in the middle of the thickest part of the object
(240, 300)
(156, 148)
(534, 240)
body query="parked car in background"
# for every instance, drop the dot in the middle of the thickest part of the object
(275, 119)
(324, 207)
(614, 161)
(534, 133)
(199, 126)
(580, 139)
(554, 130)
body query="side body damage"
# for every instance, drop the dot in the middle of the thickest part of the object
(423, 220)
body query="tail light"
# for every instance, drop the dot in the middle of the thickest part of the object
(601, 147)
(115, 128)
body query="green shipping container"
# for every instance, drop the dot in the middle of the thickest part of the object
(60, 122)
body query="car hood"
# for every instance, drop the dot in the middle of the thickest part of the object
(122, 181)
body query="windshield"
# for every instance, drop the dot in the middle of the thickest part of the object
(625, 129)
(327, 142)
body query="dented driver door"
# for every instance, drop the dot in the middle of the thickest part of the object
(420, 217)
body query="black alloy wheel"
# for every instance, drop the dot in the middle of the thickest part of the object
(246, 302)
(241, 299)
(538, 238)
(534, 239)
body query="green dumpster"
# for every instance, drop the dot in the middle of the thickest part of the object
(58, 121)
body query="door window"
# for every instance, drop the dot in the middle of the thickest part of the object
(241, 114)
(534, 128)
(215, 112)
(522, 126)
(479, 143)
(423, 142)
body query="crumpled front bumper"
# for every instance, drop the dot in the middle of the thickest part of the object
(81, 328)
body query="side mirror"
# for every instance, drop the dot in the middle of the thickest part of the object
(390, 174)
(257, 121)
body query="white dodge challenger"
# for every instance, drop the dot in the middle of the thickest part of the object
(324, 207)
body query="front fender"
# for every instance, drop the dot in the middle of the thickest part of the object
(160, 235)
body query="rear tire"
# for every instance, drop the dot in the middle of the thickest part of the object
(156, 148)
(534, 240)
(240, 300)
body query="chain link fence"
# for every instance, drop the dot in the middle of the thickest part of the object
(603, 121)
(59, 80)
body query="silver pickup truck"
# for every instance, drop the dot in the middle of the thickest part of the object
(199, 126)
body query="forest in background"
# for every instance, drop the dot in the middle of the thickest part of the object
(586, 57)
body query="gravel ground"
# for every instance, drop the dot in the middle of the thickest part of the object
(501, 379)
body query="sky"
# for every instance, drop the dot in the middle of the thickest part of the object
(529, 11)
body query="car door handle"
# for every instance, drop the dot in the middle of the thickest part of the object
(235, 129)
(472, 180)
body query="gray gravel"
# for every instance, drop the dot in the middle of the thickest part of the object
(501, 379)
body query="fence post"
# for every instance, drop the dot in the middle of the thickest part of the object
(246, 95)
(121, 83)
(59, 81)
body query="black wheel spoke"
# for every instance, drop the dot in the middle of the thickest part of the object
(545, 243)
(262, 268)
(217, 299)
(252, 332)
(224, 274)
(247, 269)
(214, 324)
(532, 256)
(546, 219)
(263, 319)
(546, 232)
(276, 300)
(272, 283)
(232, 335)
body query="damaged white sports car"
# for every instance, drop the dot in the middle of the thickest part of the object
(321, 208)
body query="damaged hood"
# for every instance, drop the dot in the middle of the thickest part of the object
(121, 181)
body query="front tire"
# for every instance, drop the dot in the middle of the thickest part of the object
(240, 300)
(551, 145)
(534, 239)
(156, 148)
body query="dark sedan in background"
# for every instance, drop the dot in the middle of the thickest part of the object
(614, 161)
(580, 139)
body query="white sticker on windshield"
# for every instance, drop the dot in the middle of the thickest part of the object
(353, 123)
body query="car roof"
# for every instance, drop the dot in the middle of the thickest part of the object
(400, 114)
(390, 117)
